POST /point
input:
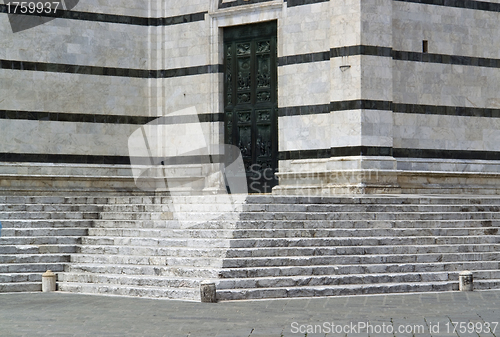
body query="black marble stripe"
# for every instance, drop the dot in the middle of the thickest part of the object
(303, 58)
(107, 119)
(119, 19)
(467, 4)
(442, 110)
(293, 3)
(361, 50)
(239, 3)
(446, 154)
(389, 52)
(446, 59)
(63, 159)
(107, 160)
(304, 110)
(336, 152)
(388, 151)
(106, 71)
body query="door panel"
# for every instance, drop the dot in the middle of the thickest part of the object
(250, 100)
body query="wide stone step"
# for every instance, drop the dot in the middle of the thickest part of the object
(133, 280)
(293, 224)
(376, 199)
(171, 207)
(126, 269)
(31, 267)
(28, 208)
(313, 280)
(361, 259)
(13, 232)
(40, 240)
(377, 208)
(22, 223)
(21, 277)
(37, 249)
(336, 290)
(364, 241)
(20, 287)
(362, 232)
(359, 216)
(34, 258)
(146, 260)
(290, 233)
(159, 233)
(153, 251)
(153, 242)
(50, 215)
(360, 250)
(357, 269)
(137, 291)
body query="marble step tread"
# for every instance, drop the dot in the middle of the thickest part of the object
(21, 277)
(314, 280)
(50, 215)
(270, 215)
(282, 251)
(257, 262)
(259, 208)
(43, 207)
(31, 267)
(32, 224)
(40, 240)
(344, 290)
(135, 280)
(34, 258)
(26, 232)
(147, 260)
(284, 242)
(128, 290)
(270, 233)
(335, 290)
(20, 287)
(37, 249)
(360, 250)
(290, 224)
(130, 269)
(152, 251)
(357, 268)
(360, 241)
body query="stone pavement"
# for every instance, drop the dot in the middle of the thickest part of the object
(62, 314)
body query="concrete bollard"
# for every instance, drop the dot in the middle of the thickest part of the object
(466, 281)
(208, 292)
(48, 281)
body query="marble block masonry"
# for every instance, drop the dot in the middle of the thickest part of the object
(373, 96)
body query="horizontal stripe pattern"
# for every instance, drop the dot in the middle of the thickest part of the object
(466, 4)
(388, 151)
(389, 106)
(365, 50)
(283, 155)
(107, 71)
(107, 119)
(114, 18)
(107, 160)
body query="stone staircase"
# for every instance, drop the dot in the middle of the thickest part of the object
(40, 233)
(260, 247)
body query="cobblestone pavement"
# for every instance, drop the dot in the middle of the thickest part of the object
(425, 314)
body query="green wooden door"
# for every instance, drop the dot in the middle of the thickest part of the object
(251, 100)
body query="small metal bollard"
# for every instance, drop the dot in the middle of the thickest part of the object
(48, 281)
(466, 281)
(208, 292)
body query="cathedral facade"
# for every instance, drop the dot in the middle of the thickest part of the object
(321, 97)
